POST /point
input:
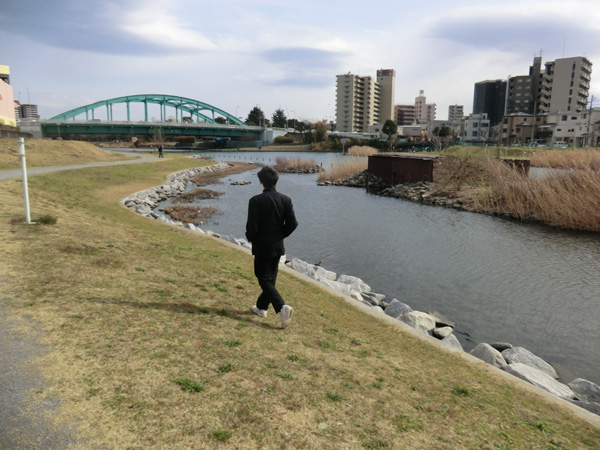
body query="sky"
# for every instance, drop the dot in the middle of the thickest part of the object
(239, 54)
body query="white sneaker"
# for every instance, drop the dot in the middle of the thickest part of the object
(286, 315)
(259, 312)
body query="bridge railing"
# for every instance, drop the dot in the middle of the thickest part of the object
(156, 124)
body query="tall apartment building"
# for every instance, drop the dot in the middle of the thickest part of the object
(29, 111)
(387, 81)
(7, 99)
(565, 85)
(423, 111)
(404, 114)
(523, 90)
(455, 113)
(364, 101)
(489, 98)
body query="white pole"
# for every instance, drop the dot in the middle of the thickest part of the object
(21, 150)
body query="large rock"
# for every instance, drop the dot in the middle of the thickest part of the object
(396, 308)
(419, 320)
(490, 355)
(373, 298)
(590, 406)
(443, 332)
(501, 346)
(452, 341)
(441, 320)
(356, 283)
(320, 274)
(524, 356)
(540, 379)
(316, 272)
(342, 288)
(355, 295)
(585, 390)
(301, 266)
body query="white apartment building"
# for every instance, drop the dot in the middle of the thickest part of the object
(423, 111)
(477, 128)
(575, 129)
(565, 85)
(456, 113)
(364, 101)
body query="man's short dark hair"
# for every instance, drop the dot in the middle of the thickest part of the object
(268, 176)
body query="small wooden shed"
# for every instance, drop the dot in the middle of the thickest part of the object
(395, 168)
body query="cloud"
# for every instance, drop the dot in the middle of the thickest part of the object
(302, 66)
(127, 27)
(521, 28)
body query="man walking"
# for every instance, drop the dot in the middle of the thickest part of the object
(271, 219)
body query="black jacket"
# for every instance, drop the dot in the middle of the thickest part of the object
(271, 218)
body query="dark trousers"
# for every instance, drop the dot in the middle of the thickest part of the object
(266, 270)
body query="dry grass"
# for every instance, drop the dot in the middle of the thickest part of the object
(573, 158)
(294, 164)
(44, 153)
(562, 199)
(362, 150)
(565, 198)
(192, 214)
(344, 167)
(196, 195)
(153, 345)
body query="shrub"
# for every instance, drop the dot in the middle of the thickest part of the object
(284, 140)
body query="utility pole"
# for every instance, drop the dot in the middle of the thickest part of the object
(533, 122)
(588, 137)
(21, 152)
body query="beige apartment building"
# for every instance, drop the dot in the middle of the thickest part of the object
(364, 101)
(456, 113)
(404, 114)
(565, 85)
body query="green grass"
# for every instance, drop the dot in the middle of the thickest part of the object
(152, 343)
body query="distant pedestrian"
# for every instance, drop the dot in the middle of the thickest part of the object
(160, 151)
(271, 219)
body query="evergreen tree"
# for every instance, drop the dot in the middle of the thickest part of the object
(279, 119)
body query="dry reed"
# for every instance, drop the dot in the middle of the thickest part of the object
(361, 150)
(577, 158)
(297, 164)
(566, 199)
(343, 168)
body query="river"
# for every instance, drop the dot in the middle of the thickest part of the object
(501, 281)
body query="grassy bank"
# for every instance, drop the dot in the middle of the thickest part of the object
(45, 153)
(153, 345)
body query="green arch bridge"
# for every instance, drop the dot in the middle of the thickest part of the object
(191, 118)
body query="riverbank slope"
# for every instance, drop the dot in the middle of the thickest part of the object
(153, 344)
